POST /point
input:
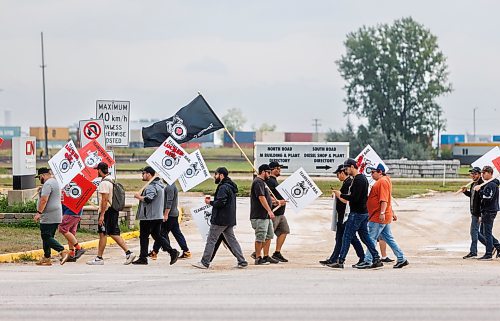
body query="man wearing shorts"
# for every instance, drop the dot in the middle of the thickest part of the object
(261, 215)
(108, 218)
(280, 224)
(68, 228)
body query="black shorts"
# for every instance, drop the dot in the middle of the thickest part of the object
(110, 225)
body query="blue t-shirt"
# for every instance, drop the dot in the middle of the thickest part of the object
(67, 211)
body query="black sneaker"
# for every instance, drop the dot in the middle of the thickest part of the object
(400, 265)
(485, 258)
(270, 260)
(140, 261)
(387, 260)
(253, 256)
(279, 257)
(71, 259)
(498, 253)
(336, 265)
(325, 262)
(377, 264)
(174, 255)
(470, 255)
(242, 265)
(261, 261)
(79, 253)
(363, 265)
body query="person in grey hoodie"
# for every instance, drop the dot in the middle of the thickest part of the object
(223, 219)
(150, 215)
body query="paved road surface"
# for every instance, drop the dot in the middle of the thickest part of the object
(438, 284)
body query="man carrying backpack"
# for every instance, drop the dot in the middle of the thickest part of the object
(108, 216)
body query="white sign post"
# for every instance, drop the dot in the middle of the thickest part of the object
(299, 190)
(315, 158)
(169, 160)
(66, 164)
(196, 173)
(202, 217)
(23, 162)
(116, 116)
(369, 158)
(92, 130)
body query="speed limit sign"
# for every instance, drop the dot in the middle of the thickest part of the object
(92, 129)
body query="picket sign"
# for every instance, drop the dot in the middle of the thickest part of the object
(76, 194)
(196, 173)
(93, 153)
(299, 190)
(201, 216)
(66, 164)
(369, 158)
(169, 160)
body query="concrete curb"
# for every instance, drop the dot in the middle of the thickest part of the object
(37, 254)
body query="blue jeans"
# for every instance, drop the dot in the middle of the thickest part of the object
(475, 234)
(487, 219)
(383, 231)
(357, 222)
(360, 252)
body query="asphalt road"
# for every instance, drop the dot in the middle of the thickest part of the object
(437, 285)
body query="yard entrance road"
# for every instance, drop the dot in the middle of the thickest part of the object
(437, 285)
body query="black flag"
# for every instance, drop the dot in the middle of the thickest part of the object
(192, 121)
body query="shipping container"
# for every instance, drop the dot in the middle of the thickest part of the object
(8, 132)
(53, 144)
(270, 137)
(191, 145)
(496, 138)
(54, 133)
(136, 145)
(449, 139)
(298, 137)
(7, 144)
(204, 139)
(240, 137)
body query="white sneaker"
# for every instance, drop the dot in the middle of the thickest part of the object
(96, 261)
(129, 258)
(199, 265)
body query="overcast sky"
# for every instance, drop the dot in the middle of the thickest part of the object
(275, 60)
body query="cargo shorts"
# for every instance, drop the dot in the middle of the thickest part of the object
(263, 229)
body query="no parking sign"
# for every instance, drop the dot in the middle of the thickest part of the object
(92, 129)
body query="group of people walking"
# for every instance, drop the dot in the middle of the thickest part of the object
(364, 211)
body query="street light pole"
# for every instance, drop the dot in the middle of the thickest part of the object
(474, 121)
(44, 103)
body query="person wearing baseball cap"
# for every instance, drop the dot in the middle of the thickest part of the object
(358, 217)
(280, 224)
(475, 211)
(489, 209)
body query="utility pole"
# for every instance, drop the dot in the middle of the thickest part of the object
(316, 125)
(439, 132)
(474, 121)
(44, 103)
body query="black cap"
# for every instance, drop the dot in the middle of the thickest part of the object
(42, 170)
(223, 171)
(264, 167)
(379, 168)
(149, 170)
(339, 169)
(475, 170)
(350, 162)
(103, 167)
(273, 165)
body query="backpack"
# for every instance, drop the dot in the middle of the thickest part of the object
(118, 201)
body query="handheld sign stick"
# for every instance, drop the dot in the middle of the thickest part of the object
(146, 185)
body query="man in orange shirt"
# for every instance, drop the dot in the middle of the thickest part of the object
(380, 217)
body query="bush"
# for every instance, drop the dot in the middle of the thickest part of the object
(28, 207)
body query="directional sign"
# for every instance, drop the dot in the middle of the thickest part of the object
(314, 158)
(116, 116)
(92, 129)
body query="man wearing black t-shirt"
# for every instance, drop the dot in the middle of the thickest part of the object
(358, 217)
(280, 224)
(261, 215)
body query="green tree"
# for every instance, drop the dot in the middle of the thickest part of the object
(234, 119)
(393, 74)
(265, 127)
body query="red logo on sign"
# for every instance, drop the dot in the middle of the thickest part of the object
(496, 162)
(92, 130)
(30, 147)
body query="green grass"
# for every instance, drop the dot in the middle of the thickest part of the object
(18, 238)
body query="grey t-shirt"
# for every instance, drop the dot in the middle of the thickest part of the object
(171, 200)
(53, 210)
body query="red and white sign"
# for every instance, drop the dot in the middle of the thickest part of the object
(369, 158)
(169, 160)
(76, 194)
(92, 130)
(93, 153)
(1, 140)
(66, 164)
(491, 158)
